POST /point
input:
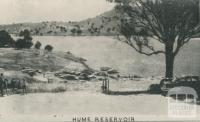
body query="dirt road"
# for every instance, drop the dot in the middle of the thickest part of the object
(65, 106)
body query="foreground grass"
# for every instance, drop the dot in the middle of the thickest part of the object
(45, 87)
(93, 86)
(64, 86)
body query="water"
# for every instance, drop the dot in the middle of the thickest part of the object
(107, 51)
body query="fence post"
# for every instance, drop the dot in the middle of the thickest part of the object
(108, 84)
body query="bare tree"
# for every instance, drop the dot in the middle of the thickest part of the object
(170, 22)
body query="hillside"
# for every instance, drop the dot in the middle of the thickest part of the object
(34, 62)
(12, 59)
(104, 24)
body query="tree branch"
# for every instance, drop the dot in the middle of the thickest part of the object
(145, 53)
(156, 28)
(129, 42)
(180, 43)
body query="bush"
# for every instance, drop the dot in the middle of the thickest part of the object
(6, 40)
(26, 42)
(48, 48)
(59, 89)
(22, 43)
(38, 45)
(46, 88)
(73, 31)
(79, 32)
(154, 88)
(26, 34)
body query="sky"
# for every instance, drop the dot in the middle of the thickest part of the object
(18, 11)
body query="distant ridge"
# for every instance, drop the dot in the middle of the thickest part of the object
(104, 24)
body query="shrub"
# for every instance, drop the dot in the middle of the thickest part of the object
(6, 40)
(73, 31)
(22, 43)
(79, 32)
(26, 33)
(26, 42)
(48, 48)
(59, 89)
(154, 88)
(38, 45)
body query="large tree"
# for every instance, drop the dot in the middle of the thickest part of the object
(170, 22)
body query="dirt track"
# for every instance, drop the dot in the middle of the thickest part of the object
(65, 106)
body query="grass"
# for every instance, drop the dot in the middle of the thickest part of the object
(121, 85)
(46, 87)
(12, 59)
(55, 87)
(142, 84)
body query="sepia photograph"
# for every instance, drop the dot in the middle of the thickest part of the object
(99, 60)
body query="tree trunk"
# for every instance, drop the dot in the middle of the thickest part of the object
(169, 58)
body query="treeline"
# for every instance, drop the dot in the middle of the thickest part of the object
(24, 42)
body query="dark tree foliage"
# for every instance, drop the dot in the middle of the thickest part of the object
(21, 43)
(26, 34)
(26, 42)
(108, 30)
(48, 48)
(79, 31)
(73, 31)
(6, 40)
(170, 22)
(37, 45)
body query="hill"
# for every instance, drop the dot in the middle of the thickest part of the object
(34, 62)
(12, 59)
(104, 24)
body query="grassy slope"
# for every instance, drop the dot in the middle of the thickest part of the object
(15, 59)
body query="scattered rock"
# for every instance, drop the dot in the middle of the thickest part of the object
(82, 59)
(69, 77)
(137, 76)
(87, 71)
(84, 78)
(100, 73)
(105, 68)
(31, 72)
(86, 74)
(112, 71)
(75, 74)
(92, 76)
